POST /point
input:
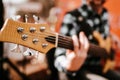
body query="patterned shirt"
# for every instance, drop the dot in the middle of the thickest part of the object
(82, 19)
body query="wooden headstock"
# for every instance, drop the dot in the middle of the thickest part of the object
(27, 34)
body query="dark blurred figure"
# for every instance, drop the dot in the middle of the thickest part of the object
(1, 14)
(1, 44)
(91, 17)
(54, 74)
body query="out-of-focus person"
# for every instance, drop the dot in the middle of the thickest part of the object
(91, 18)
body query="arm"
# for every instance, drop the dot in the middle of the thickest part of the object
(73, 60)
(66, 59)
(76, 58)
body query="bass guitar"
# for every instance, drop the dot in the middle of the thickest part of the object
(39, 37)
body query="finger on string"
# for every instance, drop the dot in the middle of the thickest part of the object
(75, 43)
(52, 39)
(82, 40)
(68, 51)
(86, 46)
(46, 35)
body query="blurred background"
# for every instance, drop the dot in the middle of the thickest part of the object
(15, 65)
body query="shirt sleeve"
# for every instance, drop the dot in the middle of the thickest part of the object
(68, 25)
(61, 62)
(67, 28)
(107, 26)
(105, 19)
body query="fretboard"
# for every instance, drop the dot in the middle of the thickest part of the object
(67, 43)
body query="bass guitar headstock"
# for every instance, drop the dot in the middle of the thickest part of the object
(27, 34)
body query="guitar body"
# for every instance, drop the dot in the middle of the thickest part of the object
(106, 44)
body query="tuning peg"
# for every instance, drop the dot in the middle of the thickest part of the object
(35, 59)
(25, 18)
(28, 52)
(38, 58)
(16, 49)
(36, 54)
(36, 18)
(16, 17)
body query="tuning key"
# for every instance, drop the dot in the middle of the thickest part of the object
(42, 28)
(28, 52)
(20, 30)
(16, 49)
(44, 45)
(36, 58)
(16, 17)
(36, 54)
(24, 37)
(32, 29)
(26, 18)
(36, 18)
(35, 41)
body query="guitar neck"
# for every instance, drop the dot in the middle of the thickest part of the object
(38, 37)
(67, 43)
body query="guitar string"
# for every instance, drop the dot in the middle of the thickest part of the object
(62, 41)
(47, 35)
(62, 38)
(65, 44)
(53, 34)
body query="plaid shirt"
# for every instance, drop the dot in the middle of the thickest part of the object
(82, 19)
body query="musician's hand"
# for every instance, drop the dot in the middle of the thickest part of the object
(104, 43)
(76, 58)
(110, 64)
